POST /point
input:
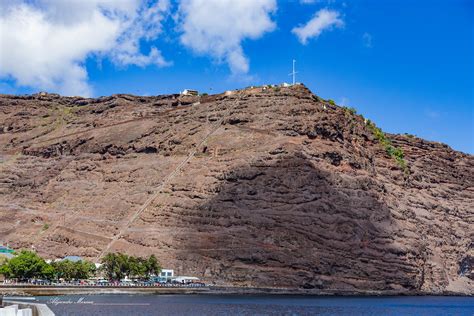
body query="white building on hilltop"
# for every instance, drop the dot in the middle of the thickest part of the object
(189, 92)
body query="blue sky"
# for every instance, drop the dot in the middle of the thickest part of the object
(407, 65)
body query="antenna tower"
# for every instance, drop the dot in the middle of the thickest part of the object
(294, 72)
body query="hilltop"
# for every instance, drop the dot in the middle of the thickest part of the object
(264, 186)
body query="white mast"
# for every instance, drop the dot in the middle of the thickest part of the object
(294, 72)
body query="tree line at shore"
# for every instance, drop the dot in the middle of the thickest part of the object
(28, 265)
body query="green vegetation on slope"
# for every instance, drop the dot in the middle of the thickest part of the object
(349, 110)
(392, 151)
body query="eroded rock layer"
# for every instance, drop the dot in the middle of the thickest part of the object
(259, 187)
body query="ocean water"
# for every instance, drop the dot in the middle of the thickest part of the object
(81, 305)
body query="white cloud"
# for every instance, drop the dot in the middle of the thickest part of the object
(324, 19)
(44, 43)
(367, 39)
(317, 1)
(217, 27)
(146, 24)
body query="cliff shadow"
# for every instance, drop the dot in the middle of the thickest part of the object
(281, 221)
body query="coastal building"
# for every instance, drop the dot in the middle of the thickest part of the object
(72, 258)
(185, 279)
(167, 273)
(6, 252)
(5, 249)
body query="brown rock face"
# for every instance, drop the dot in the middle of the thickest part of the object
(261, 187)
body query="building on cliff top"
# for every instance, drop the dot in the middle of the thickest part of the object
(189, 92)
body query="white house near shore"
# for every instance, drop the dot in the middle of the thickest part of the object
(167, 273)
(185, 279)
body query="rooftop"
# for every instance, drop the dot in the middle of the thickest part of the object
(5, 249)
(73, 258)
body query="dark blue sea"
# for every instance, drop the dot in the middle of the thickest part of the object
(257, 305)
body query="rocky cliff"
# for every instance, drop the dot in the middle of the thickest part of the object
(257, 187)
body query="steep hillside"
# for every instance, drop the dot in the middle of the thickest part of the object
(259, 187)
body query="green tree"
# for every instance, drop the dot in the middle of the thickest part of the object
(137, 267)
(123, 265)
(28, 265)
(63, 269)
(48, 272)
(69, 270)
(84, 270)
(116, 265)
(110, 266)
(152, 266)
(4, 268)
